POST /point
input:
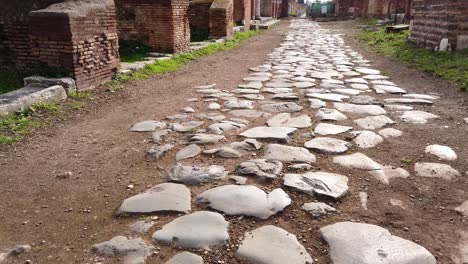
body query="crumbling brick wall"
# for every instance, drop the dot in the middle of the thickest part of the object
(436, 20)
(80, 36)
(162, 25)
(266, 8)
(14, 30)
(242, 12)
(199, 14)
(221, 18)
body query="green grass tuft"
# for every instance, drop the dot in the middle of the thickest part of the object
(133, 51)
(448, 66)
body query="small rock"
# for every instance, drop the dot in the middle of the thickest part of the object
(318, 209)
(442, 152)
(187, 152)
(156, 151)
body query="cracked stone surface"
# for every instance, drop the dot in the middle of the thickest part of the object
(287, 107)
(373, 110)
(272, 245)
(148, 126)
(163, 197)
(264, 169)
(370, 244)
(141, 226)
(318, 183)
(288, 154)
(197, 230)
(246, 200)
(367, 139)
(285, 120)
(328, 96)
(186, 126)
(417, 117)
(326, 114)
(330, 129)
(187, 152)
(156, 151)
(280, 133)
(204, 138)
(192, 175)
(224, 126)
(374, 122)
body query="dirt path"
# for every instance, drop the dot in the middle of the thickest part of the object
(104, 160)
(62, 217)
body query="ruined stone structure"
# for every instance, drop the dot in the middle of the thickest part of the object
(162, 25)
(242, 13)
(215, 16)
(271, 8)
(372, 8)
(77, 36)
(440, 24)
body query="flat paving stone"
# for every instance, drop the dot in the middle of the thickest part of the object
(279, 85)
(204, 138)
(366, 70)
(286, 107)
(251, 85)
(318, 209)
(197, 230)
(141, 227)
(331, 97)
(245, 200)
(224, 126)
(327, 114)
(261, 168)
(238, 104)
(408, 101)
(330, 129)
(360, 161)
(279, 133)
(162, 197)
(187, 152)
(374, 122)
(362, 100)
(373, 110)
(157, 151)
(356, 80)
(318, 183)
(257, 79)
(288, 154)
(370, 244)
(375, 77)
(347, 91)
(247, 113)
(148, 126)
(277, 90)
(390, 133)
(316, 103)
(285, 120)
(328, 145)
(367, 139)
(441, 152)
(272, 245)
(185, 258)
(132, 251)
(193, 175)
(286, 96)
(435, 170)
(383, 89)
(417, 117)
(186, 126)
(302, 85)
(359, 86)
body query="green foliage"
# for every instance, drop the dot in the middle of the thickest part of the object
(177, 61)
(448, 66)
(82, 95)
(372, 21)
(292, 14)
(132, 51)
(15, 126)
(52, 107)
(76, 105)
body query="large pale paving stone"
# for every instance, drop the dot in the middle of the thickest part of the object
(328, 96)
(383, 89)
(285, 120)
(264, 169)
(187, 152)
(192, 175)
(367, 139)
(186, 126)
(417, 117)
(357, 243)
(247, 113)
(318, 183)
(390, 132)
(287, 107)
(442, 152)
(132, 251)
(330, 129)
(367, 70)
(272, 245)
(326, 114)
(435, 170)
(185, 258)
(328, 145)
(374, 122)
(372, 110)
(163, 197)
(147, 126)
(224, 126)
(408, 101)
(197, 230)
(204, 138)
(244, 200)
(288, 154)
(279, 133)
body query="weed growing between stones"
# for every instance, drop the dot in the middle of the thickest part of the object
(446, 65)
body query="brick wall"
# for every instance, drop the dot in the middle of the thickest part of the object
(435, 20)
(162, 25)
(266, 8)
(242, 12)
(221, 18)
(199, 14)
(80, 36)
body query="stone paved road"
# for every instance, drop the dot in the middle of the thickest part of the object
(284, 149)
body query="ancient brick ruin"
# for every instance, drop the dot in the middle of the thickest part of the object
(162, 25)
(440, 24)
(77, 36)
(242, 13)
(214, 16)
